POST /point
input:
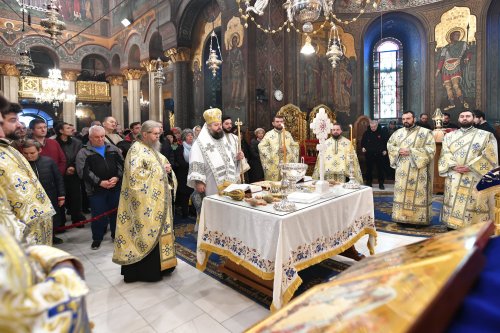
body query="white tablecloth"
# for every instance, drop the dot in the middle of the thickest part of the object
(276, 245)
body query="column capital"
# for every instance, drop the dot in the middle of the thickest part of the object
(150, 65)
(132, 74)
(9, 70)
(178, 54)
(115, 80)
(70, 75)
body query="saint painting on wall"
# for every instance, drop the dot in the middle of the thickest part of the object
(236, 86)
(456, 61)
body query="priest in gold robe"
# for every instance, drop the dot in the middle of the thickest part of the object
(467, 155)
(274, 150)
(41, 287)
(411, 152)
(144, 239)
(337, 158)
(25, 195)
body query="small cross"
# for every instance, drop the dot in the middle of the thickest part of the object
(238, 123)
(21, 184)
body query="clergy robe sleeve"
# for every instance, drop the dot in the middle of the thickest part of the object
(197, 168)
(488, 159)
(393, 150)
(265, 151)
(421, 157)
(446, 161)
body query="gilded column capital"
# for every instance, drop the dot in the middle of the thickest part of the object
(115, 80)
(70, 75)
(150, 65)
(9, 70)
(132, 74)
(178, 54)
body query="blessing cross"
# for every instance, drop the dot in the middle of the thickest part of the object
(321, 126)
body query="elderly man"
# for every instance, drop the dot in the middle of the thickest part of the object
(411, 150)
(374, 145)
(273, 148)
(144, 244)
(212, 161)
(467, 155)
(337, 158)
(26, 196)
(100, 166)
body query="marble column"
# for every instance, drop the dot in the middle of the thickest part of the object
(133, 77)
(9, 76)
(69, 107)
(155, 92)
(183, 104)
(116, 83)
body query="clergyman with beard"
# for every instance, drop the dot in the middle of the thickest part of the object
(272, 150)
(212, 161)
(411, 152)
(467, 155)
(144, 242)
(337, 149)
(28, 200)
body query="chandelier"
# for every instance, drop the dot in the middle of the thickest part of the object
(54, 89)
(300, 16)
(159, 75)
(24, 63)
(213, 61)
(53, 26)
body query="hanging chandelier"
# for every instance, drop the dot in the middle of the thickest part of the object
(334, 51)
(159, 75)
(213, 61)
(53, 26)
(24, 63)
(54, 89)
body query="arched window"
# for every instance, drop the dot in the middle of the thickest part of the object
(387, 79)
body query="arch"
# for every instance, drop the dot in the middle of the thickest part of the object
(44, 59)
(115, 64)
(30, 113)
(410, 31)
(492, 61)
(134, 57)
(190, 13)
(94, 68)
(156, 46)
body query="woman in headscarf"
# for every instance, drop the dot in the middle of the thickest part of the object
(181, 168)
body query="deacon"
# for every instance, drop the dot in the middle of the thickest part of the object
(467, 155)
(337, 154)
(411, 151)
(274, 150)
(26, 196)
(144, 239)
(212, 161)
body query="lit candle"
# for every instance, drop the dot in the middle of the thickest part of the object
(350, 128)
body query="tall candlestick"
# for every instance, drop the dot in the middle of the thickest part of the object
(283, 133)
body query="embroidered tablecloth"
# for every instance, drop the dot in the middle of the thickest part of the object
(277, 245)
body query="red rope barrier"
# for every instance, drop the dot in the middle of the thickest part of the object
(93, 219)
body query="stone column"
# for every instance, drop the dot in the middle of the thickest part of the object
(116, 83)
(9, 76)
(155, 92)
(69, 108)
(183, 105)
(133, 77)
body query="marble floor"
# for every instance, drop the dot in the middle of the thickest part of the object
(186, 301)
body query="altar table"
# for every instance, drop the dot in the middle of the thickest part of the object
(277, 245)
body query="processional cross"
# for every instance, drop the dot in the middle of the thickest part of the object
(240, 123)
(321, 126)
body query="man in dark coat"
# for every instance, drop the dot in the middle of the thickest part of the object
(374, 145)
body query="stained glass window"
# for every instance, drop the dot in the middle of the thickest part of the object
(388, 79)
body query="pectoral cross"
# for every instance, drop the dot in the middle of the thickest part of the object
(239, 123)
